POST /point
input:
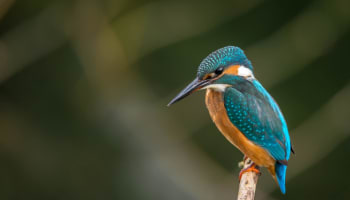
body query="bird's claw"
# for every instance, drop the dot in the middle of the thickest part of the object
(252, 168)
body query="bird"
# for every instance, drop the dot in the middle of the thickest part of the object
(243, 111)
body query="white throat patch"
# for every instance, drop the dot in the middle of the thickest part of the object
(217, 87)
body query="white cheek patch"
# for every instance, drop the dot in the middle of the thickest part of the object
(217, 87)
(245, 72)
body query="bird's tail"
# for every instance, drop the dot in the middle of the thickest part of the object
(281, 170)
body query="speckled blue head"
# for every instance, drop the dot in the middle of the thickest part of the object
(222, 67)
(224, 57)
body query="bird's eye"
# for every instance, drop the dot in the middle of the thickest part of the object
(219, 70)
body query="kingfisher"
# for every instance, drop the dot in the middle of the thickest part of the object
(243, 111)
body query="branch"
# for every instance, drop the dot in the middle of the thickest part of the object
(247, 184)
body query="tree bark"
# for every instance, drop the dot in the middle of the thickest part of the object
(247, 184)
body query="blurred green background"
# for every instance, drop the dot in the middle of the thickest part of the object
(84, 86)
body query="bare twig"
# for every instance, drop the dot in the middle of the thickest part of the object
(247, 185)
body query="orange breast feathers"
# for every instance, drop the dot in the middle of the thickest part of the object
(215, 104)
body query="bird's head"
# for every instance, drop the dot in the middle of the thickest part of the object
(218, 70)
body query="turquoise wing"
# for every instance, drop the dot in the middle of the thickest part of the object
(253, 111)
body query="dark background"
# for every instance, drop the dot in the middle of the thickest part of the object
(84, 87)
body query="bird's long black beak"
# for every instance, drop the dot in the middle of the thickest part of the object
(195, 85)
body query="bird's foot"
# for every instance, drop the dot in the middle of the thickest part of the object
(251, 168)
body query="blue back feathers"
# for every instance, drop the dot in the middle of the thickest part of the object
(253, 111)
(226, 56)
